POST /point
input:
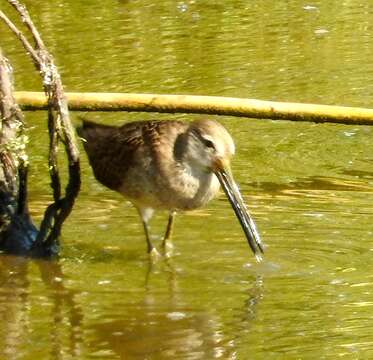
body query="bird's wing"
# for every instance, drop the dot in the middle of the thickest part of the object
(111, 150)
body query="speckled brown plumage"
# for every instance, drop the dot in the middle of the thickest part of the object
(113, 150)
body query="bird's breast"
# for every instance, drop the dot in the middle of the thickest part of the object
(189, 189)
(181, 189)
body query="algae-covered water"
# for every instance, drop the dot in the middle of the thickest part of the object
(309, 187)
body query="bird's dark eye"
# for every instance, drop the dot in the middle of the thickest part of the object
(209, 143)
(204, 140)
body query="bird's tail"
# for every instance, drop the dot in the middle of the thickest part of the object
(101, 147)
(82, 129)
(89, 130)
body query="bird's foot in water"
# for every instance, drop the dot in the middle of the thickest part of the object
(168, 249)
(154, 255)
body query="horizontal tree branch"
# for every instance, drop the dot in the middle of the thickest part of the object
(203, 105)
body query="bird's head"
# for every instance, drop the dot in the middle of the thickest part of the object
(210, 147)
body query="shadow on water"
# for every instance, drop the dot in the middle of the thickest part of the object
(157, 320)
(318, 183)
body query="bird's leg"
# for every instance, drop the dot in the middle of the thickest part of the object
(167, 244)
(147, 236)
(146, 214)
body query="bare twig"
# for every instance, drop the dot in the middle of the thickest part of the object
(59, 126)
(21, 37)
(28, 22)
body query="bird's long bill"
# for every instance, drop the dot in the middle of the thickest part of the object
(235, 198)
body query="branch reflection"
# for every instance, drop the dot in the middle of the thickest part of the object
(18, 304)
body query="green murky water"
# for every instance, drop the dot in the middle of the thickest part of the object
(309, 187)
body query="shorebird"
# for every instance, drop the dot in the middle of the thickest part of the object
(167, 165)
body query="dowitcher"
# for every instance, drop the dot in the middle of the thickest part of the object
(167, 165)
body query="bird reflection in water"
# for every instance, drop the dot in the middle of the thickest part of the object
(163, 322)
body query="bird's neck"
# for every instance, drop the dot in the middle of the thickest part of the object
(201, 184)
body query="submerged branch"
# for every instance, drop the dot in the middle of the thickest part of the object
(214, 105)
